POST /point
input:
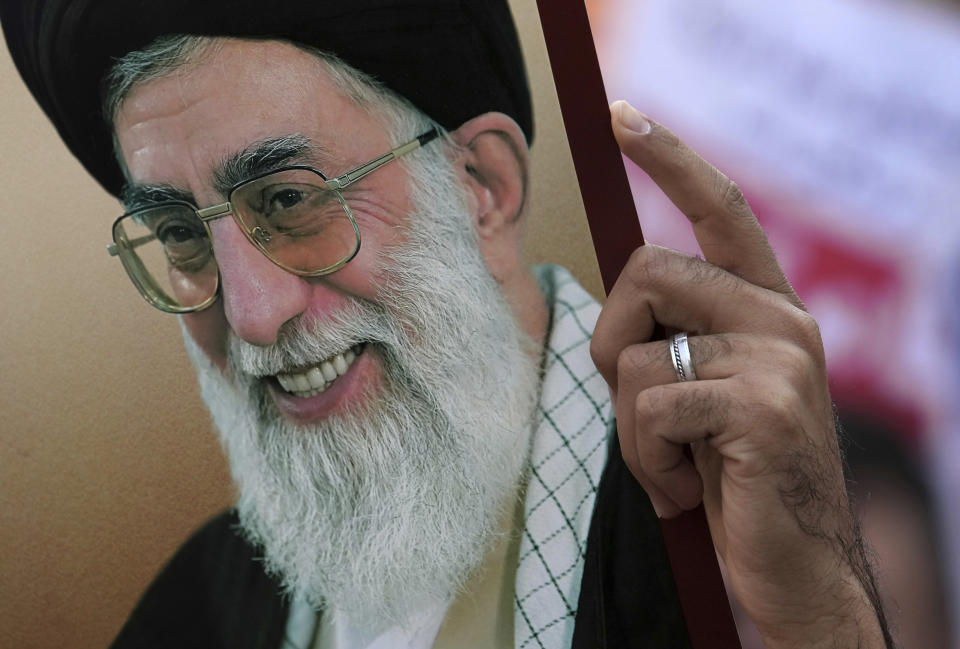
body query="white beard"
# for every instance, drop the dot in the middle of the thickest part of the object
(387, 507)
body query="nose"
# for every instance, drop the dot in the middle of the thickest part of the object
(258, 296)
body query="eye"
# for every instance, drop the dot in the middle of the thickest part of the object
(283, 199)
(185, 243)
(176, 234)
(174, 231)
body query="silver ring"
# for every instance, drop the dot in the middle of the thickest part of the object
(680, 357)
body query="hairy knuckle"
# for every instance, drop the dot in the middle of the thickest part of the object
(725, 345)
(657, 272)
(662, 271)
(699, 271)
(704, 349)
(694, 268)
(703, 405)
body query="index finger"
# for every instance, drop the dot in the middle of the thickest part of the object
(726, 229)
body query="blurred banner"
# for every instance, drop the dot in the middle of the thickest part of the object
(840, 120)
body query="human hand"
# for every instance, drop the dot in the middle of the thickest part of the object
(766, 462)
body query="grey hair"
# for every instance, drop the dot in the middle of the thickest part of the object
(159, 58)
(401, 119)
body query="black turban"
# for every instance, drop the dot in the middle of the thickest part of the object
(453, 59)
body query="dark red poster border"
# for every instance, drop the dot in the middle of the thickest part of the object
(615, 229)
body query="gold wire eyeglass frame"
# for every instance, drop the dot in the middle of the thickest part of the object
(123, 247)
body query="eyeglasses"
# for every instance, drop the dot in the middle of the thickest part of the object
(294, 215)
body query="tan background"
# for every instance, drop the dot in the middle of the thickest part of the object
(107, 461)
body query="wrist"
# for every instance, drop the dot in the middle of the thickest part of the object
(846, 617)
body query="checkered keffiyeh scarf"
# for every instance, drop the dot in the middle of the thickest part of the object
(568, 455)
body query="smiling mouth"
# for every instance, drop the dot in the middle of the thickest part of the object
(312, 380)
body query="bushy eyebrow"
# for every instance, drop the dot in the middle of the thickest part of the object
(266, 155)
(138, 196)
(256, 159)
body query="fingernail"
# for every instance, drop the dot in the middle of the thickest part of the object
(634, 119)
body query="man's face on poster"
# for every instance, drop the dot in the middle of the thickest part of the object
(377, 487)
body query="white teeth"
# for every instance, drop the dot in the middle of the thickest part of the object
(328, 372)
(301, 383)
(318, 378)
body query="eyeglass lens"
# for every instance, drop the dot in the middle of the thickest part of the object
(166, 252)
(296, 220)
(290, 215)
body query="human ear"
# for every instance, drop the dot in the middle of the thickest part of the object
(493, 163)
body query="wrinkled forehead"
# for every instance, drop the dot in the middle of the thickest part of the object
(179, 128)
(270, 78)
